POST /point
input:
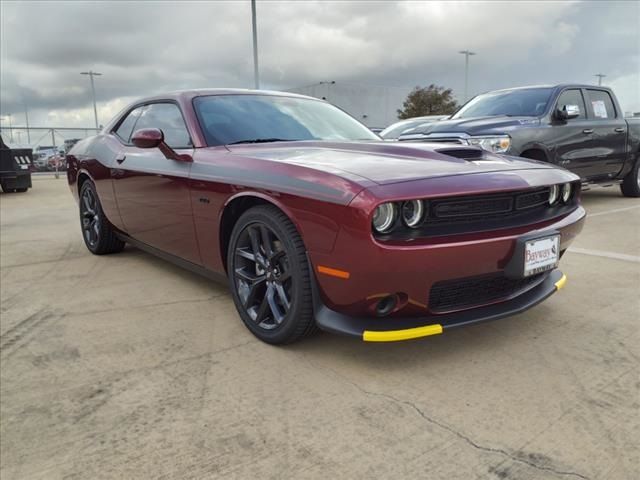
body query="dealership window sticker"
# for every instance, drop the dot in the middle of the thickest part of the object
(599, 110)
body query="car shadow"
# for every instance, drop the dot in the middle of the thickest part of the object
(476, 341)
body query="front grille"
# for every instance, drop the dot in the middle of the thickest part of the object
(483, 213)
(472, 207)
(463, 293)
(459, 141)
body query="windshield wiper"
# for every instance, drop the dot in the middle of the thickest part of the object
(263, 140)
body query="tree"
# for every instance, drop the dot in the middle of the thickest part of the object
(431, 100)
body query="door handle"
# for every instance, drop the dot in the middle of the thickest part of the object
(618, 130)
(121, 158)
(587, 131)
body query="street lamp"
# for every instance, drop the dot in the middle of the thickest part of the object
(256, 73)
(600, 77)
(93, 92)
(467, 54)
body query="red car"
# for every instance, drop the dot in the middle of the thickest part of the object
(316, 222)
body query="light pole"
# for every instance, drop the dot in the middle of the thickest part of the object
(93, 92)
(600, 77)
(467, 54)
(26, 117)
(256, 73)
(10, 127)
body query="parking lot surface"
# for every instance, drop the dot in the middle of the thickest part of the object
(127, 366)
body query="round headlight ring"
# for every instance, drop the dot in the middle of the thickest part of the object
(384, 217)
(566, 192)
(554, 193)
(412, 213)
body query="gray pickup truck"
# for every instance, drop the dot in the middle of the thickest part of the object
(579, 127)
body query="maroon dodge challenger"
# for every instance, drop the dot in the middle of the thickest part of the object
(316, 222)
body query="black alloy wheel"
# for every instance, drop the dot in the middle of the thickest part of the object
(98, 234)
(90, 218)
(269, 276)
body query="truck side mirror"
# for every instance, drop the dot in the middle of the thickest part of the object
(567, 112)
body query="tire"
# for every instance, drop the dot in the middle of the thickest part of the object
(268, 269)
(97, 232)
(630, 186)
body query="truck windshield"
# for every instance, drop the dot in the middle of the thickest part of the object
(235, 119)
(526, 102)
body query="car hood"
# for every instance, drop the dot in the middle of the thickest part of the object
(476, 126)
(385, 162)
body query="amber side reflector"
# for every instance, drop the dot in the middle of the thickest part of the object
(333, 272)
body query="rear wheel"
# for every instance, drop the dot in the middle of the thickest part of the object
(630, 186)
(98, 234)
(269, 276)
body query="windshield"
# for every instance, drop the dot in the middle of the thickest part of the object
(530, 102)
(227, 119)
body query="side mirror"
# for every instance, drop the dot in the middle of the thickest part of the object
(154, 138)
(567, 112)
(148, 138)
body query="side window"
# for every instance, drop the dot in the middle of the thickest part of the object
(166, 117)
(601, 105)
(572, 97)
(125, 129)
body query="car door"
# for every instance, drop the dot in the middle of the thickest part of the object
(152, 191)
(609, 133)
(573, 136)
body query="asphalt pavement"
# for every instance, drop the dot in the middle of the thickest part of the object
(125, 366)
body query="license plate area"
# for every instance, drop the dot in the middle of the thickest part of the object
(541, 255)
(534, 254)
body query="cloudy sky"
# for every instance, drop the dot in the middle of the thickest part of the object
(145, 47)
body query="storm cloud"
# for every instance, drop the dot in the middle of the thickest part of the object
(147, 47)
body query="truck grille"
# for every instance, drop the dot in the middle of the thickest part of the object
(464, 293)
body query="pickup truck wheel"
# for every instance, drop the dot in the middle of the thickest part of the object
(6, 189)
(630, 186)
(97, 232)
(269, 276)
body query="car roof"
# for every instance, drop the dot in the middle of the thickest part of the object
(204, 92)
(555, 87)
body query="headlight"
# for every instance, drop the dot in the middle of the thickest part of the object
(566, 192)
(554, 191)
(412, 212)
(384, 217)
(497, 144)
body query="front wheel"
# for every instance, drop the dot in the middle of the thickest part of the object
(97, 232)
(269, 276)
(630, 186)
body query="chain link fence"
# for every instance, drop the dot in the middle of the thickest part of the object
(49, 144)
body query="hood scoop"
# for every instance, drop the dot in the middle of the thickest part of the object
(463, 153)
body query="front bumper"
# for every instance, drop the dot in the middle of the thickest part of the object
(374, 329)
